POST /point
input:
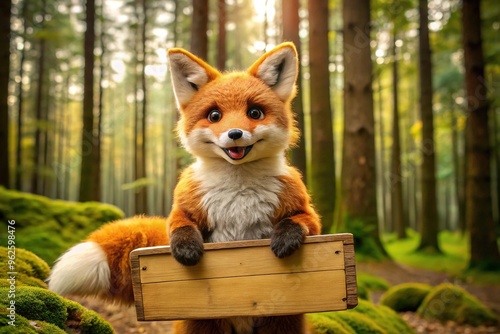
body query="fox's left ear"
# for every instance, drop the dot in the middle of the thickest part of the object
(278, 68)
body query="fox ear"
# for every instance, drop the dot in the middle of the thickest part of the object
(189, 73)
(278, 68)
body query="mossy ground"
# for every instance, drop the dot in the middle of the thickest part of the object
(49, 227)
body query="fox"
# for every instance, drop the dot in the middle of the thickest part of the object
(239, 127)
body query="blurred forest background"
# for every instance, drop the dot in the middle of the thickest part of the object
(399, 105)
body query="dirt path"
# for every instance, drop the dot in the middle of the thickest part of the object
(123, 319)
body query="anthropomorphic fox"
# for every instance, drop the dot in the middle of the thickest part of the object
(238, 126)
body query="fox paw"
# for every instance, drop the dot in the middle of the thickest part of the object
(186, 244)
(286, 238)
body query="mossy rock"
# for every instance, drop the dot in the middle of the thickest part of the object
(49, 313)
(359, 323)
(320, 324)
(21, 325)
(365, 318)
(384, 317)
(450, 302)
(405, 297)
(49, 227)
(31, 270)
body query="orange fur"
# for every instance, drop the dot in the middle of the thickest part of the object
(118, 239)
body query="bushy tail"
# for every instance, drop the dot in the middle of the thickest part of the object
(100, 266)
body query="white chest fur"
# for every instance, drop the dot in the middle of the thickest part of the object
(240, 200)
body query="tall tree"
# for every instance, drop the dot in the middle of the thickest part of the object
(358, 165)
(398, 218)
(322, 174)
(429, 226)
(291, 21)
(484, 252)
(199, 25)
(36, 185)
(20, 98)
(143, 190)
(221, 36)
(5, 15)
(88, 188)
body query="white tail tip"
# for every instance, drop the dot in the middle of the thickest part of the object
(83, 270)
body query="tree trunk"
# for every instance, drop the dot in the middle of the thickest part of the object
(322, 175)
(221, 37)
(386, 219)
(484, 252)
(100, 107)
(89, 141)
(458, 175)
(20, 102)
(5, 15)
(429, 225)
(37, 156)
(199, 25)
(144, 189)
(358, 165)
(291, 22)
(398, 218)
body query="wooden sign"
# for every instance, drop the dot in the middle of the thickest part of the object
(245, 278)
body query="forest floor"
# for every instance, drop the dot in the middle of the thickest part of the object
(123, 319)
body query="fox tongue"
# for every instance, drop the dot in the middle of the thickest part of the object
(236, 152)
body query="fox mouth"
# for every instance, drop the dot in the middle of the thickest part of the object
(237, 152)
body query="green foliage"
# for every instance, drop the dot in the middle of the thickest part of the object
(451, 302)
(405, 297)
(365, 318)
(365, 241)
(49, 227)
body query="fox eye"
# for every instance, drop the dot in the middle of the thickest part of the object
(255, 113)
(214, 116)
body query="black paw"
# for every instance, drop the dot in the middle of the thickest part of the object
(187, 245)
(286, 238)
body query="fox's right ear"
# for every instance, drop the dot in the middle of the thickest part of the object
(189, 73)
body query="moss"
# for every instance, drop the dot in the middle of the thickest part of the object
(360, 323)
(88, 321)
(31, 270)
(450, 302)
(405, 297)
(384, 317)
(49, 227)
(367, 283)
(41, 304)
(25, 326)
(320, 324)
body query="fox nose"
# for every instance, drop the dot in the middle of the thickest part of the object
(235, 134)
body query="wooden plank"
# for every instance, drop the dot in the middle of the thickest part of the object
(265, 295)
(230, 262)
(244, 278)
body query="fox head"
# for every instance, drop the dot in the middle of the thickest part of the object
(237, 116)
